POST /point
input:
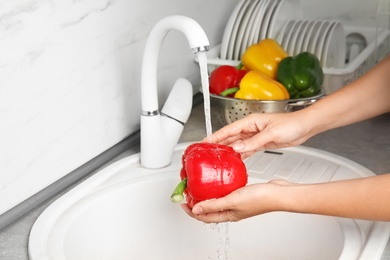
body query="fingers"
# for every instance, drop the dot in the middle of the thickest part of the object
(254, 144)
(213, 211)
(210, 212)
(231, 132)
(215, 217)
(226, 135)
(258, 132)
(261, 140)
(247, 154)
(245, 135)
(187, 209)
(208, 206)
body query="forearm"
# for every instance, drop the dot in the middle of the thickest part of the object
(362, 99)
(365, 198)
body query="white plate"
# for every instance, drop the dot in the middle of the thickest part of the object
(271, 7)
(260, 19)
(282, 32)
(233, 35)
(244, 30)
(252, 39)
(315, 35)
(287, 34)
(228, 30)
(309, 31)
(286, 10)
(335, 48)
(306, 35)
(321, 40)
(293, 39)
(301, 36)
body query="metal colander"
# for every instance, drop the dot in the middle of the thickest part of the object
(227, 110)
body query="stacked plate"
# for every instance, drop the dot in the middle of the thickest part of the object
(254, 20)
(325, 39)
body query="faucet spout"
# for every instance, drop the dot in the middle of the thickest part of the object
(160, 132)
(197, 40)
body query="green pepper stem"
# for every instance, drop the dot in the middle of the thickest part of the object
(177, 194)
(240, 65)
(229, 91)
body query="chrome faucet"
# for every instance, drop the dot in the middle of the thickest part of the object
(160, 131)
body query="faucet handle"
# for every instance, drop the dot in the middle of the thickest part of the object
(179, 102)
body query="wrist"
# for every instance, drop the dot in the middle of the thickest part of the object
(289, 197)
(314, 120)
(280, 195)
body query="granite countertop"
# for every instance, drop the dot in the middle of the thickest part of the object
(367, 143)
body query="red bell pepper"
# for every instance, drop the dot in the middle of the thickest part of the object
(209, 171)
(225, 80)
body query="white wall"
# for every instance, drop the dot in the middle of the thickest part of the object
(70, 80)
(350, 12)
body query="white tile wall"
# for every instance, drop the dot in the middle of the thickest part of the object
(70, 80)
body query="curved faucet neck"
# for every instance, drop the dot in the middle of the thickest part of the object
(197, 40)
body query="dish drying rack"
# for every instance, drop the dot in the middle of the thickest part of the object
(376, 50)
(378, 47)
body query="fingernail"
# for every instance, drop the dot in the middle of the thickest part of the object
(206, 140)
(197, 210)
(238, 146)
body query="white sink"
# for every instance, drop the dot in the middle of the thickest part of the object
(124, 212)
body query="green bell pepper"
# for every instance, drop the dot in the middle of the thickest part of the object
(302, 75)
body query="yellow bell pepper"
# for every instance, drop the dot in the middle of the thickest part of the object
(264, 56)
(256, 85)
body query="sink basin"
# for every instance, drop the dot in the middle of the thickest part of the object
(124, 212)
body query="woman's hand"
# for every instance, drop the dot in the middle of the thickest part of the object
(245, 202)
(263, 131)
(361, 198)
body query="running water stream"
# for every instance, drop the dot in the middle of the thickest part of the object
(222, 228)
(205, 89)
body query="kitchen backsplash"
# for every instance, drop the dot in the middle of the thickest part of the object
(70, 80)
(70, 77)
